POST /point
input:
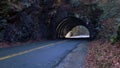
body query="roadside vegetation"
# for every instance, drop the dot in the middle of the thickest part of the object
(105, 51)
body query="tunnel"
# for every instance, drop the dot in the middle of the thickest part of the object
(66, 25)
(78, 32)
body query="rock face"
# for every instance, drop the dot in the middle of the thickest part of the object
(32, 19)
(24, 20)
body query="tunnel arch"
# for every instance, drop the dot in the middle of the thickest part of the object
(69, 23)
(78, 32)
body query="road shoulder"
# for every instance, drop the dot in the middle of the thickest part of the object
(75, 59)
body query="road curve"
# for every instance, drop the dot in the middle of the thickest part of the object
(46, 54)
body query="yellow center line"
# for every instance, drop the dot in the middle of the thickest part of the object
(28, 51)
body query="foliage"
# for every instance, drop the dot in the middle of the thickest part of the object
(111, 9)
(3, 8)
(116, 38)
(3, 24)
(108, 22)
(3, 13)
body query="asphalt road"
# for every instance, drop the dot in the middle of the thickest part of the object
(46, 54)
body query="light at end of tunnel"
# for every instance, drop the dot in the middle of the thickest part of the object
(78, 32)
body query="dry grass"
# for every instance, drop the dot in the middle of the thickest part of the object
(102, 54)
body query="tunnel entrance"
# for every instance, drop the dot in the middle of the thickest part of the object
(78, 32)
(75, 28)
